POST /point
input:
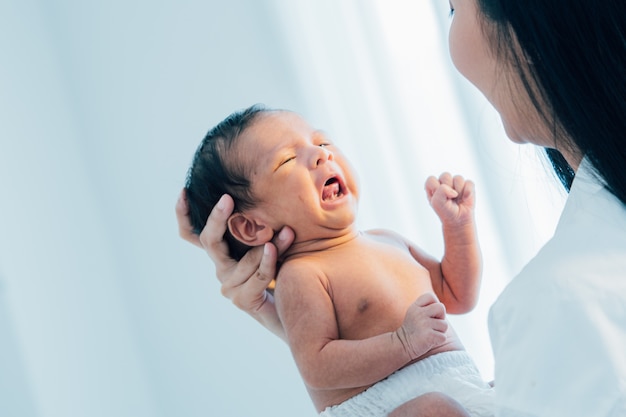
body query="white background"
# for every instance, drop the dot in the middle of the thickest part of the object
(104, 311)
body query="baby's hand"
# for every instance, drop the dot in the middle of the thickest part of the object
(424, 326)
(452, 198)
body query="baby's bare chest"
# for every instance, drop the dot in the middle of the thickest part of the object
(372, 288)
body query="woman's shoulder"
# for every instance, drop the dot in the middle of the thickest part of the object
(588, 246)
(571, 269)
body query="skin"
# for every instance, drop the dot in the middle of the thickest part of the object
(291, 162)
(430, 404)
(473, 58)
(332, 325)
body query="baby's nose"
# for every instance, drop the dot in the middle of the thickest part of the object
(323, 155)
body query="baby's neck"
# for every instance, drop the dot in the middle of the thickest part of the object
(321, 244)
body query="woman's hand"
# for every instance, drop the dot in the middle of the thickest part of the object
(245, 282)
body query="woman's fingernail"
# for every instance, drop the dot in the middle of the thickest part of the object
(282, 235)
(221, 205)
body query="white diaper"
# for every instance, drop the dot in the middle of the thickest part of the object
(452, 373)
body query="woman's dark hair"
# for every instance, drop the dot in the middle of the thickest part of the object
(215, 171)
(571, 56)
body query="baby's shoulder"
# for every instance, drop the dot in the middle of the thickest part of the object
(299, 264)
(302, 277)
(301, 268)
(386, 236)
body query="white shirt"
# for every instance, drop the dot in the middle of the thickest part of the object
(558, 330)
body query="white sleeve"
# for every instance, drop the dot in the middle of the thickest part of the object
(560, 348)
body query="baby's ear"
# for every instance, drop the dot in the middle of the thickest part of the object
(249, 230)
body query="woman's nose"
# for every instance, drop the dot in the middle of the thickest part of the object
(322, 155)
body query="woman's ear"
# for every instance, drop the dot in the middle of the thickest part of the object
(249, 230)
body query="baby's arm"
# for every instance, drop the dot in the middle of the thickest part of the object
(327, 362)
(456, 279)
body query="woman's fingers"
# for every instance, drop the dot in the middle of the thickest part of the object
(244, 281)
(260, 262)
(212, 236)
(184, 225)
(283, 239)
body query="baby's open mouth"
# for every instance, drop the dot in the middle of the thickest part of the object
(332, 190)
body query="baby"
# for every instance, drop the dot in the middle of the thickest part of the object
(363, 317)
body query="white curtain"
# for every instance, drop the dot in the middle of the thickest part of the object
(103, 309)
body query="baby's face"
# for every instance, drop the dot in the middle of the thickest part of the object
(300, 178)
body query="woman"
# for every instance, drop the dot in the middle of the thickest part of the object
(555, 71)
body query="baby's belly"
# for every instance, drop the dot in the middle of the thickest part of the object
(373, 316)
(376, 306)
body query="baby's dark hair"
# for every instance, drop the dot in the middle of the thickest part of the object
(214, 172)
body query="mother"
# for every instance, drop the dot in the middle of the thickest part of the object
(555, 71)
